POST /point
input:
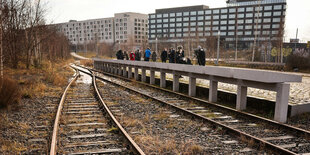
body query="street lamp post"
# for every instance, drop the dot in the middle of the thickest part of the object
(218, 47)
(156, 44)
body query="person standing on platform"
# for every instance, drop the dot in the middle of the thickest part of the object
(154, 56)
(126, 55)
(132, 56)
(164, 55)
(119, 55)
(171, 55)
(138, 55)
(202, 56)
(147, 54)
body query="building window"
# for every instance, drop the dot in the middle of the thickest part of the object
(232, 10)
(240, 33)
(152, 31)
(267, 20)
(216, 11)
(248, 27)
(249, 9)
(179, 30)
(223, 16)
(172, 25)
(249, 15)
(171, 35)
(231, 22)
(223, 22)
(257, 27)
(152, 21)
(185, 13)
(159, 31)
(200, 18)
(200, 28)
(172, 19)
(275, 32)
(200, 12)
(240, 9)
(185, 29)
(200, 23)
(231, 27)
(193, 23)
(266, 26)
(278, 13)
(275, 26)
(223, 33)
(179, 14)
(249, 21)
(179, 34)
(159, 26)
(215, 22)
(165, 20)
(172, 30)
(207, 28)
(207, 34)
(231, 33)
(276, 19)
(159, 21)
(257, 20)
(193, 13)
(185, 19)
(208, 23)
(268, 7)
(179, 24)
(216, 17)
(223, 28)
(152, 26)
(223, 11)
(266, 32)
(172, 14)
(193, 18)
(231, 16)
(241, 21)
(159, 15)
(256, 32)
(248, 32)
(165, 15)
(267, 14)
(208, 12)
(185, 24)
(277, 7)
(193, 29)
(207, 17)
(179, 19)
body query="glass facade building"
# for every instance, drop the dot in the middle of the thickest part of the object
(244, 20)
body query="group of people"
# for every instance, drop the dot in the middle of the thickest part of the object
(137, 55)
(174, 56)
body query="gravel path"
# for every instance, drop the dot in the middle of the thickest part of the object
(161, 130)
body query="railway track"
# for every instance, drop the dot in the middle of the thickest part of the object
(84, 124)
(261, 132)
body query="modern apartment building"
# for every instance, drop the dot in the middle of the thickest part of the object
(241, 23)
(123, 28)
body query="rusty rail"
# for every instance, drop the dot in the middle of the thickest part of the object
(53, 149)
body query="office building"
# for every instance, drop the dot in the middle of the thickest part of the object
(241, 23)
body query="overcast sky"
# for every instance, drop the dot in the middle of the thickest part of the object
(58, 11)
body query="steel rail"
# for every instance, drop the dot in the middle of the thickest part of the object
(294, 130)
(53, 149)
(258, 141)
(134, 145)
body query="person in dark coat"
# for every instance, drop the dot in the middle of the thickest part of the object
(138, 55)
(202, 56)
(164, 55)
(171, 55)
(119, 55)
(154, 56)
(179, 55)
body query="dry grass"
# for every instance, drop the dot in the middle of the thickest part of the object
(9, 92)
(88, 63)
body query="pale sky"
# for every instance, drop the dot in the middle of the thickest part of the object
(58, 11)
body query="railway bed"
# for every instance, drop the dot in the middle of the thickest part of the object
(260, 132)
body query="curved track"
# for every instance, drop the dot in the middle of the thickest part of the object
(85, 125)
(261, 132)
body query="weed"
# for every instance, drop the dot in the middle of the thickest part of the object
(9, 92)
(113, 130)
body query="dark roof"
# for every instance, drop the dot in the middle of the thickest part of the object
(182, 9)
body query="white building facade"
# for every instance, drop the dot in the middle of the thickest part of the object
(123, 28)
